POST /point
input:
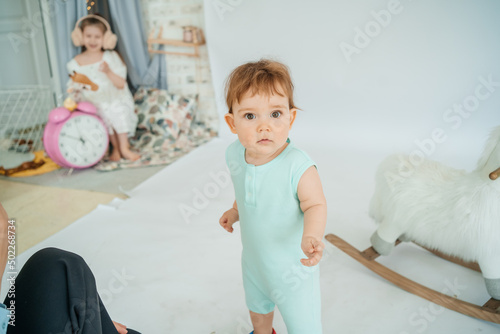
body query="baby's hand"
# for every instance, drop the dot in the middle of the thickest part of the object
(227, 220)
(313, 249)
(104, 67)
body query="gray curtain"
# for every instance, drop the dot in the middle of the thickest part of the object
(132, 44)
(65, 15)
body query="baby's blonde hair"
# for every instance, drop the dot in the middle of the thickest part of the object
(264, 76)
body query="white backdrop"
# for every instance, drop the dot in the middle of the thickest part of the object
(373, 74)
(183, 272)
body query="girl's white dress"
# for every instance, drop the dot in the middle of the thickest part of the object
(115, 106)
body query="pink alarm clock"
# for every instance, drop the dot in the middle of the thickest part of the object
(77, 139)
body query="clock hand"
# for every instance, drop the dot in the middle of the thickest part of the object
(75, 138)
(72, 137)
(93, 137)
(80, 134)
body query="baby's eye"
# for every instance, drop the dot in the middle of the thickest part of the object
(249, 116)
(276, 114)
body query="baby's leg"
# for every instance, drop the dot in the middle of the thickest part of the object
(300, 305)
(115, 152)
(262, 323)
(259, 302)
(125, 151)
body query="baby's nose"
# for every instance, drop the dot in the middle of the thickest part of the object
(264, 126)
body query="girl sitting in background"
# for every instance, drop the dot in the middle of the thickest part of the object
(109, 91)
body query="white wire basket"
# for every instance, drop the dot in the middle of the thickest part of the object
(24, 112)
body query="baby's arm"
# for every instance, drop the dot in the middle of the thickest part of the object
(117, 80)
(229, 217)
(313, 204)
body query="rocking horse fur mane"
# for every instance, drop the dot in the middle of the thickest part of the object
(455, 212)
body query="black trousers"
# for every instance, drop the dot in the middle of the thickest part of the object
(55, 293)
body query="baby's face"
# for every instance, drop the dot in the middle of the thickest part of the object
(262, 124)
(93, 37)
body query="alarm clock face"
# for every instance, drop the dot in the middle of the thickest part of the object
(83, 140)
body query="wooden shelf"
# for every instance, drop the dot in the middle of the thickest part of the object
(172, 42)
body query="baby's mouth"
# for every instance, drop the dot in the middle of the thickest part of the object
(264, 141)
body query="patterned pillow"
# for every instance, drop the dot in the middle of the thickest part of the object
(162, 116)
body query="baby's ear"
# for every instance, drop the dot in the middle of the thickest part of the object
(293, 114)
(229, 118)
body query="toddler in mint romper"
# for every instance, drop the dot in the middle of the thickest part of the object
(272, 225)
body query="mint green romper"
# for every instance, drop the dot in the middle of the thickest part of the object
(272, 224)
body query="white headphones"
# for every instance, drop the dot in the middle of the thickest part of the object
(109, 39)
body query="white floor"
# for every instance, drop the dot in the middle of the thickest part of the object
(161, 272)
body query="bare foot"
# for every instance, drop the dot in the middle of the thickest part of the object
(115, 155)
(129, 155)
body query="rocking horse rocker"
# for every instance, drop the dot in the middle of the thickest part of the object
(454, 214)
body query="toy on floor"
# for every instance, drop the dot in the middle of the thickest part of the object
(456, 212)
(27, 165)
(443, 209)
(40, 164)
(75, 139)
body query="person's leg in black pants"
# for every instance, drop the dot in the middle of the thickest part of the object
(55, 293)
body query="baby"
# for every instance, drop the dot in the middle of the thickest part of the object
(279, 201)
